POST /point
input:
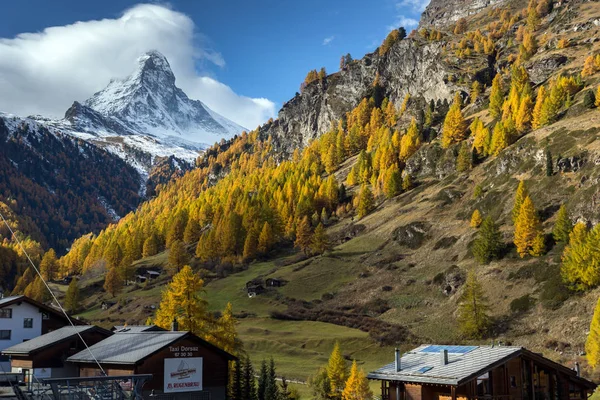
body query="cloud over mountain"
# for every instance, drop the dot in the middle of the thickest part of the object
(42, 73)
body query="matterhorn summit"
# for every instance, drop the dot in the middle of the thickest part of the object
(148, 102)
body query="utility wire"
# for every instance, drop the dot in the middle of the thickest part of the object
(14, 236)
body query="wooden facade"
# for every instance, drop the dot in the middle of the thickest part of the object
(215, 371)
(527, 376)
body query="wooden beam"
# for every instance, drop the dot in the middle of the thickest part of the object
(453, 392)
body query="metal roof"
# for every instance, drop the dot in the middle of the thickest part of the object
(136, 328)
(127, 348)
(49, 339)
(9, 300)
(422, 365)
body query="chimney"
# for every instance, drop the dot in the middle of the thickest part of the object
(174, 325)
(577, 369)
(444, 357)
(398, 361)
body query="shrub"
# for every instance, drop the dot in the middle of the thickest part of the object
(522, 304)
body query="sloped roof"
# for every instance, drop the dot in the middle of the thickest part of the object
(7, 301)
(49, 339)
(136, 328)
(425, 366)
(130, 348)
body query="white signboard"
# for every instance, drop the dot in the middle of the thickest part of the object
(183, 374)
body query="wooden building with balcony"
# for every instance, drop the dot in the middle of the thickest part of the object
(433, 372)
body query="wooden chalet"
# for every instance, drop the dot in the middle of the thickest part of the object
(432, 372)
(45, 355)
(180, 363)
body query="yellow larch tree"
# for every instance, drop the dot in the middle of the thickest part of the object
(526, 228)
(589, 67)
(411, 141)
(357, 385)
(523, 118)
(454, 129)
(592, 343)
(496, 97)
(499, 139)
(476, 219)
(181, 301)
(337, 371)
(536, 121)
(597, 103)
(520, 195)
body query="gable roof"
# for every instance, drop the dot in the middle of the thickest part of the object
(131, 348)
(136, 328)
(424, 365)
(52, 338)
(10, 300)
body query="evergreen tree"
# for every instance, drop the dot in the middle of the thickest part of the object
(407, 182)
(520, 196)
(272, 389)
(526, 228)
(320, 385)
(589, 99)
(476, 219)
(304, 236)
(366, 201)
(496, 97)
(488, 243)
(454, 129)
(112, 282)
(357, 386)
(178, 257)
(549, 163)
(181, 301)
(464, 159)
(401, 33)
(248, 381)
(563, 226)
(337, 372)
(592, 343)
(49, 265)
(473, 309)
(72, 297)
(263, 377)
(320, 240)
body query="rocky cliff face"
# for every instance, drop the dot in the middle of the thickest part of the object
(441, 13)
(410, 66)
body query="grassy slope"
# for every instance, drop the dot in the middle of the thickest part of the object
(356, 272)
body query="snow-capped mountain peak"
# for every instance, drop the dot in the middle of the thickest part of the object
(149, 102)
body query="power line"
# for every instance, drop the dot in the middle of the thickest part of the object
(14, 236)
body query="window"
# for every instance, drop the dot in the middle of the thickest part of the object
(28, 323)
(6, 313)
(4, 335)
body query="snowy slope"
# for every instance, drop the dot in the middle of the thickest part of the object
(141, 117)
(149, 102)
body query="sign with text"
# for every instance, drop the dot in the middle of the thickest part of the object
(183, 374)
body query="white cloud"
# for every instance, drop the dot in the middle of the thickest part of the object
(328, 40)
(43, 73)
(407, 23)
(413, 5)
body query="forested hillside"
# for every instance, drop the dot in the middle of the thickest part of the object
(393, 210)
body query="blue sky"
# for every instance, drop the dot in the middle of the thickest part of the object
(266, 47)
